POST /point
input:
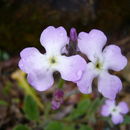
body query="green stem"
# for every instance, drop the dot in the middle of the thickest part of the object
(61, 83)
(20, 77)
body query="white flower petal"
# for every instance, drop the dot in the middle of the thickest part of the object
(54, 39)
(109, 85)
(92, 43)
(113, 58)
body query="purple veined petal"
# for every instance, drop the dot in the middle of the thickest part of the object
(123, 107)
(41, 80)
(71, 68)
(113, 58)
(85, 83)
(117, 119)
(109, 85)
(105, 110)
(31, 59)
(92, 43)
(54, 39)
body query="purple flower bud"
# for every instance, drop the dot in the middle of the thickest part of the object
(55, 105)
(73, 34)
(58, 94)
(57, 99)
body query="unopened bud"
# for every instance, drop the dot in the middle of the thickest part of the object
(73, 35)
(57, 99)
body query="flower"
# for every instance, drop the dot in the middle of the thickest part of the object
(40, 67)
(116, 111)
(101, 61)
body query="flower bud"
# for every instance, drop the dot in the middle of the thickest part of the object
(57, 99)
(73, 35)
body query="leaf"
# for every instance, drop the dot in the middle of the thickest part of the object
(30, 108)
(69, 127)
(21, 127)
(55, 125)
(3, 103)
(85, 127)
(126, 120)
(94, 106)
(21, 79)
(7, 87)
(81, 109)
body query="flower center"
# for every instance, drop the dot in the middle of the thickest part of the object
(53, 60)
(98, 65)
(114, 109)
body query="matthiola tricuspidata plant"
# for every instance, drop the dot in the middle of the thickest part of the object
(116, 111)
(61, 55)
(101, 60)
(40, 67)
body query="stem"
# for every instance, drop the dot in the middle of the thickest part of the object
(61, 83)
(20, 77)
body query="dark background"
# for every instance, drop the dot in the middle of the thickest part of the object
(22, 21)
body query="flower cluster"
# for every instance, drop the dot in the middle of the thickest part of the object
(61, 55)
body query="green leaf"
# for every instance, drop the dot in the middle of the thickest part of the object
(81, 109)
(126, 120)
(69, 127)
(21, 127)
(94, 106)
(3, 103)
(54, 125)
(85, 127)
(6, 89)
(30, 108)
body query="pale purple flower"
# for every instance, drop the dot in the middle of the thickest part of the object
(116, 111)
(40, 67)
(101, 60)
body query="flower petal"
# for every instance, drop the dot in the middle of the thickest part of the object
(54, 39)
(71, 68)
(123, 107)
(109, 85)
(41, 80)
(85, 83)
(110, 103)
(117, 119)
(113, 58)
(105, 110)
(31, 59)
(92, 43)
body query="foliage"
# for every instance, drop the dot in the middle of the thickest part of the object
(21, 127)
(31, 108)
(54, 125)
